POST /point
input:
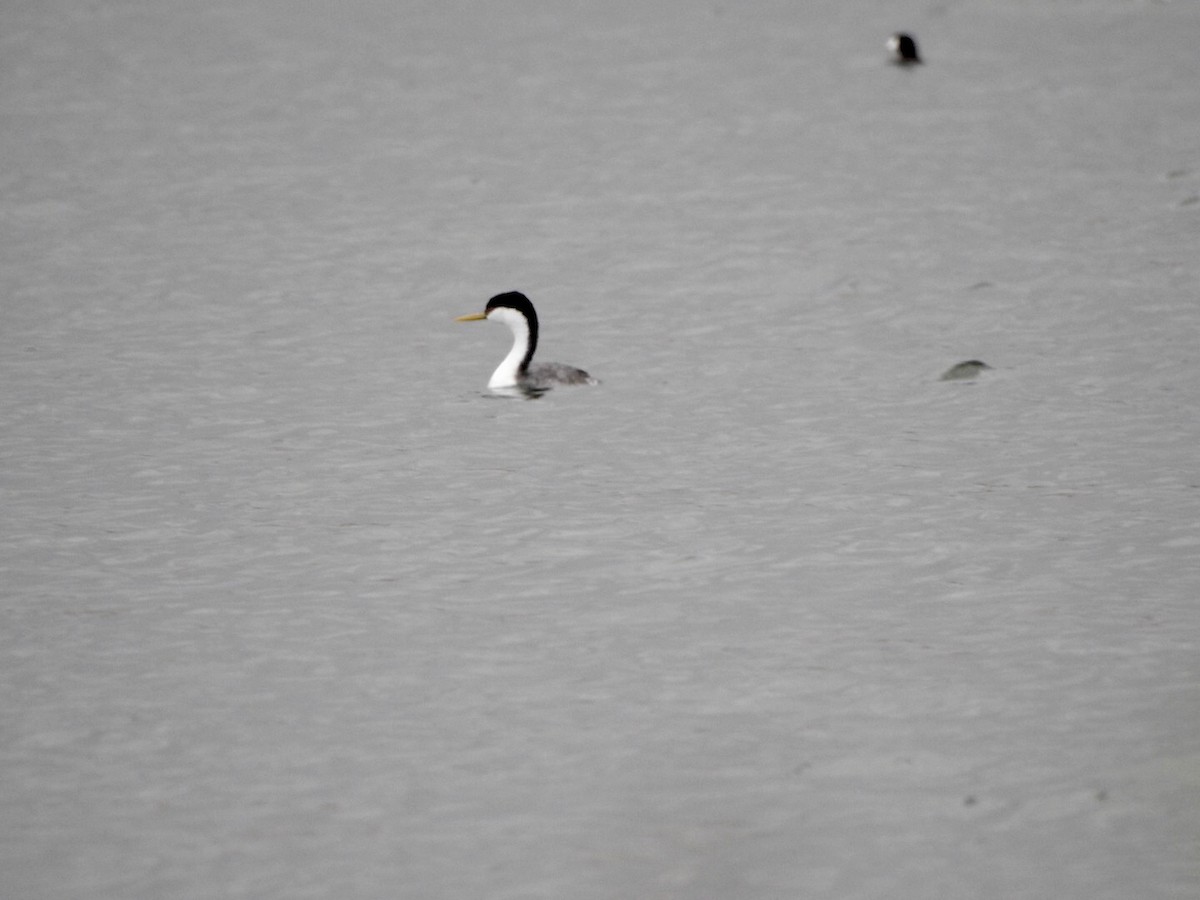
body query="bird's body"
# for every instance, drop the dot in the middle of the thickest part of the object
(517, 369)
(904, 50)
(965, 370)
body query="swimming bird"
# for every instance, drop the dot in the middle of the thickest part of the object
(904, 49)
(963, 370)
(517, 369)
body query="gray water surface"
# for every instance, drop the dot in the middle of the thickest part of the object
(292, 608)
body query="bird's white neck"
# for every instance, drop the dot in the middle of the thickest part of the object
(508, 373)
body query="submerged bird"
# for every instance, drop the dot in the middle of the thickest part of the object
(904, 49)
(964, 370)
(517, 370)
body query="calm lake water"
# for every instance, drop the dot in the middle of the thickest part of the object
(294, 608)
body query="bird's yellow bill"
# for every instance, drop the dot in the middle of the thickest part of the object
(473, 317)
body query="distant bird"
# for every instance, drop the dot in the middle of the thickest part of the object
(517, 370)
(964, 370)
(904, 49)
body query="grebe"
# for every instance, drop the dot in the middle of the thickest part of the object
(963, 370)
(517, 370)
(904, 49)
